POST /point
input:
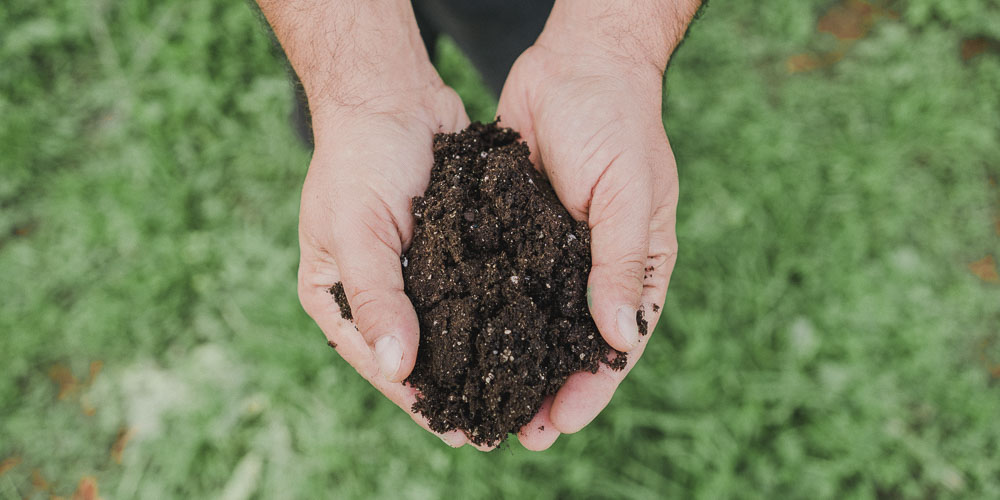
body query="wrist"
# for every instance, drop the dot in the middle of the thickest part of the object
(349, 53)
(390, 89)
(426, 108)
(371, 74)
(637, 32)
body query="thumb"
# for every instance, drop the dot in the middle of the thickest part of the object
(619, 220)
(367, 252)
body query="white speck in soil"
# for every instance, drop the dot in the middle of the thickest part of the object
(514, 279)
(506, 356)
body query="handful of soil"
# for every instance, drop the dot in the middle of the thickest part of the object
(497, 272)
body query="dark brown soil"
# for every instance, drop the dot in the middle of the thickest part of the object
(497, 272)
(337, 290)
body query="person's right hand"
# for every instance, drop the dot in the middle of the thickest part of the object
(372, 157)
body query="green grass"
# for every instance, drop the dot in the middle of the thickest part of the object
(823, 337)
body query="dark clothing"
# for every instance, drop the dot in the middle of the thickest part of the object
(491, 33)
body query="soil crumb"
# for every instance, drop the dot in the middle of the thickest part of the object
(497, 272)
(337, 290)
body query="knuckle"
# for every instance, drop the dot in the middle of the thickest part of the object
(631, 271)
(306, 294)
(609, 379)
(383, 230)
(620, 190)
(623, 280)
(628, 288)
(362, 301)
(371, 309)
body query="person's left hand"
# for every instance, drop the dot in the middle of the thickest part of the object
(594, 128)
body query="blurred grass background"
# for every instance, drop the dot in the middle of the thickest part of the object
(832, 329)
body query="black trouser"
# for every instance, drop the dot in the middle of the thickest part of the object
(491, 33)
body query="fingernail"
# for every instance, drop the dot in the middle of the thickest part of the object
(389, 354)
(453, 438)
(627, 327)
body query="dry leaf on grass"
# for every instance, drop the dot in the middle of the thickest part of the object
(9, 463)
(118, 447)
(985, 269)
(849, 20)
(86, 489)
(972, 47)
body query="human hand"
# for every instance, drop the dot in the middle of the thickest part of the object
(370, 160)
(590, 114)
(376, 103)
(355, 222)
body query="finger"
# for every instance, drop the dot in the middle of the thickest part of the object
(540, 433)
(512, 111)
(585, 395)
(483, 447)
(662, 256)
(619, 219)
(367, 250)
(404, 396)
(317, 273)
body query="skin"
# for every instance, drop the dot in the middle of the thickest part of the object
(586, 97)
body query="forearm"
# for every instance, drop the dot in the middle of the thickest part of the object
(644, 31)
(349, 52)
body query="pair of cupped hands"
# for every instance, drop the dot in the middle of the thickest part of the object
(592, 120)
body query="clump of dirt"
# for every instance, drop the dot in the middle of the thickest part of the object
(497, 272)
(337, 290)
